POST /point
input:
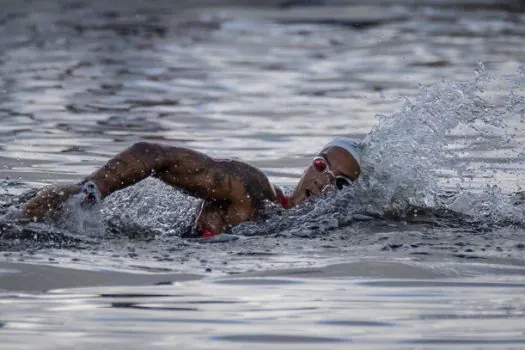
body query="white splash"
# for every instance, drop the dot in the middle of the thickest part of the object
(405, 153)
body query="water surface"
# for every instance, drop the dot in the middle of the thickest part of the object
(426, 252)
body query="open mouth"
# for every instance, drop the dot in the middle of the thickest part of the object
(307, 193)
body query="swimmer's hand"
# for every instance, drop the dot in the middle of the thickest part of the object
(48, 201)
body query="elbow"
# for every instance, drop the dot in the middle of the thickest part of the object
(144, 147)
(147, 150)
(151, 155)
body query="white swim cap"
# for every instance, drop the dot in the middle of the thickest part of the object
(351, 145)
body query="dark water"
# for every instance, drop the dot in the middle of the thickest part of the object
(426, 252)
(285, 312)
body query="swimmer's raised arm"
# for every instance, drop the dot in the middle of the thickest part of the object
(232, 182)
(189, 170)
(193, 172)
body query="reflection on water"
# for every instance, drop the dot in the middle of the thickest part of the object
(258, 312)
(264, 85)
(269, 84)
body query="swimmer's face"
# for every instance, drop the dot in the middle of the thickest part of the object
(329, 168)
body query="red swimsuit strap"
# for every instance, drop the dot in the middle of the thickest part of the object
(283, 199)
(207, 234)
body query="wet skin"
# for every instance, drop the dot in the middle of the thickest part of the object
(232, 191)
(315, 183)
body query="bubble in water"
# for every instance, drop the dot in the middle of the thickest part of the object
(151, 206)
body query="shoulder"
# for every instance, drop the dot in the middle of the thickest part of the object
(254, 181)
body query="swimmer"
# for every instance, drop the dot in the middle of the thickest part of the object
(232, 192)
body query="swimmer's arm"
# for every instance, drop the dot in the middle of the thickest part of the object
(186, 169)
(189, 170)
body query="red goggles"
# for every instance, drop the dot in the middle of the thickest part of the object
(321, 165)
